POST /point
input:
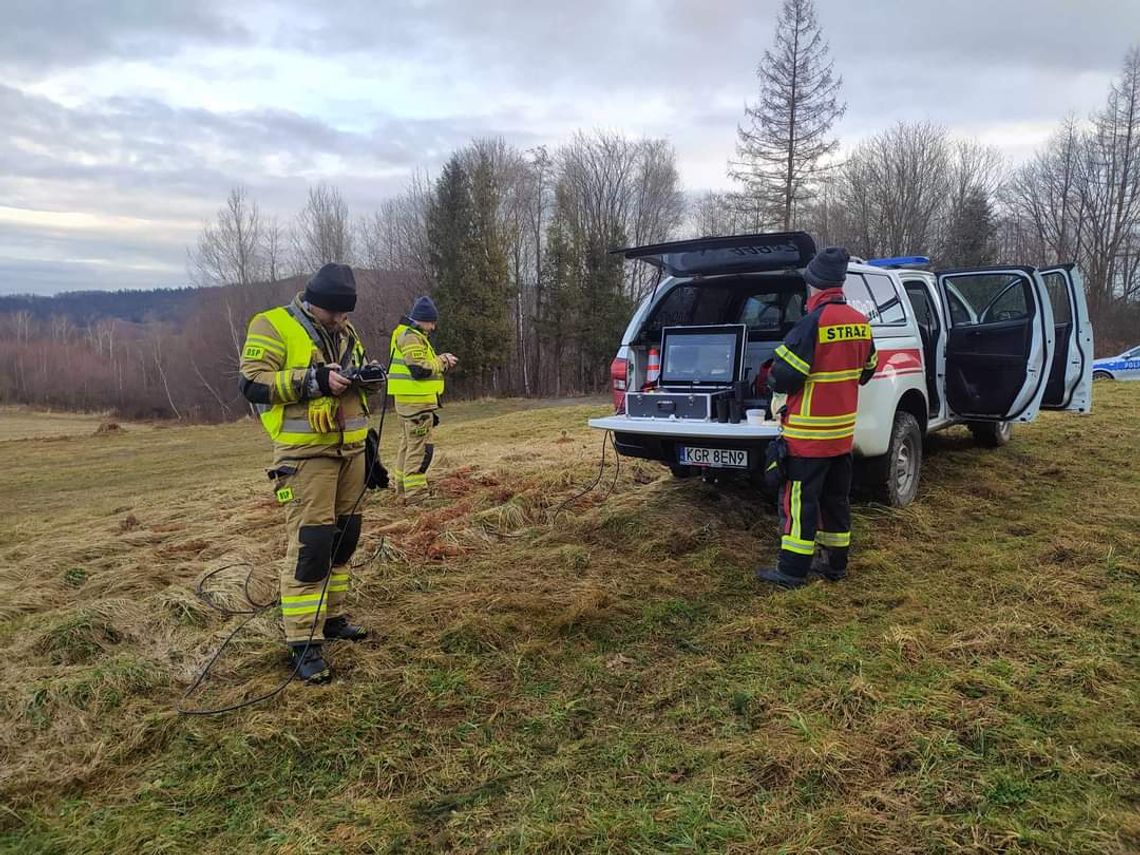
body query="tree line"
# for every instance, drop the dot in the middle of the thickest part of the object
(516, 245)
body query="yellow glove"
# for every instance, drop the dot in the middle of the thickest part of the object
(322, 414)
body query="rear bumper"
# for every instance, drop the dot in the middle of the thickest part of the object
(678, 429)
(659, 439)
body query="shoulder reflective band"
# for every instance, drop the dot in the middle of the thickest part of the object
(793, 360)
(844, 332)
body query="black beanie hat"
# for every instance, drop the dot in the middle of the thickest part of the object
(333, 287)
(424, 310)
(829, 268)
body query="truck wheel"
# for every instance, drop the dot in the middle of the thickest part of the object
(1102, 375)
(991, 434)
(895, 481)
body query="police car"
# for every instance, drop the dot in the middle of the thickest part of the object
(1123, 367)
(985, 347)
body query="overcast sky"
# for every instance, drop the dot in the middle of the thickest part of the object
(125, 122)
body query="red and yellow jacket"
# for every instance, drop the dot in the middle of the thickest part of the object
(823, 361)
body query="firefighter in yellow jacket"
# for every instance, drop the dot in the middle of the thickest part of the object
(296, 368)
(415, 380)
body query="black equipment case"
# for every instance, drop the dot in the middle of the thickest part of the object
(699, 364)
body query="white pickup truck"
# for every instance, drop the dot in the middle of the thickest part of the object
(984, 347)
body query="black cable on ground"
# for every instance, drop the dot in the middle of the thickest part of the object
(201, 593)
(607, 439)
(256, 610)
(593, 484)
(617, 469)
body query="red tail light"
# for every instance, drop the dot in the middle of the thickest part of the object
(619, 374)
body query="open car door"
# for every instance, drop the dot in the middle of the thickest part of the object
(1070, 377)
(999, 346)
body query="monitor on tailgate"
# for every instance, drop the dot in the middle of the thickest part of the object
(702, 357)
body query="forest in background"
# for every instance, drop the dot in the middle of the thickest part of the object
(515, 245)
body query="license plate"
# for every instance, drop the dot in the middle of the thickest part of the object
(721, 458)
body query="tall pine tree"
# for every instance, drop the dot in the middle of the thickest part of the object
(788, 131)
(468, 262)
(971, 234)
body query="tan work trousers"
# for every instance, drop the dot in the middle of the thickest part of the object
(414, 456)
(322, 518)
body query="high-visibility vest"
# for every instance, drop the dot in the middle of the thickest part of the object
(303, 348)
(401, 385)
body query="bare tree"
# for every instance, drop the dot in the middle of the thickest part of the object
(156, 353)
(787, 133)
(1043, 196)
(539, 200)
(968, 229)
(893, 188)
(230, 250)
(273, 246)
(1079, 199)
(411, 213)
(323, 231)
(622, 190)
(1111, 188)
(713, 213)
(378, 238)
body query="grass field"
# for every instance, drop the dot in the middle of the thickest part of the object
(609, 678)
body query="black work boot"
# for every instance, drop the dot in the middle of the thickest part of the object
(340, 628)
(778, 577)
(821, 566)
(308, 663)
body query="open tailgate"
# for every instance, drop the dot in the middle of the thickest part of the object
(734, 254)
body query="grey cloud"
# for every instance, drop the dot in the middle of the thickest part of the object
(169, 168)
(173, 158)
(58, 33)
(52, 277)
(700, 45)
(964, 63)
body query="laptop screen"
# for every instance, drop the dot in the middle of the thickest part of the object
(702, 356)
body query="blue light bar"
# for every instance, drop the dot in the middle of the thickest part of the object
(901, 261)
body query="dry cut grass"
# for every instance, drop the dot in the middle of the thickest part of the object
(604, 678)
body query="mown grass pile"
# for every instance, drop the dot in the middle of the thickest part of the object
(608, 677)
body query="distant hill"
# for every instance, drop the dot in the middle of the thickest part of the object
(83, 307)
(173, 305)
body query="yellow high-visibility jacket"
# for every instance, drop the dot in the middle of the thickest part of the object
(415, 377)
(280, 347)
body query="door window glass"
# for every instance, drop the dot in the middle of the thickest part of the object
(1058, 287)
(988, 298)
(959, 313)
(920, 304)
(858, 297)
(888, 307)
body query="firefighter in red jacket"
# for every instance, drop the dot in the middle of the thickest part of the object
(823, 361)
